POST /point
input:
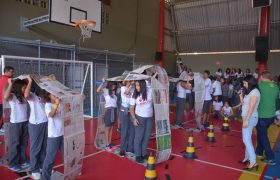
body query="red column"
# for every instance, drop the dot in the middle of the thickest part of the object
(263, 31)
(161, 31)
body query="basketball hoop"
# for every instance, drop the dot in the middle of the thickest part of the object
(86, 26)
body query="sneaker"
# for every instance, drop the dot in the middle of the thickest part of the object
(197, 130)
(108, 148)
(15, 168)
(36, 176)
(129, 153)
(112, 146)
(206, 125)
(270, 162)
(175, 126)
(122, 154)
(139, 159)
(2, 130)
(25, 165)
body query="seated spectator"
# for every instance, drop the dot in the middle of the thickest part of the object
(227, 111)
(217, 105)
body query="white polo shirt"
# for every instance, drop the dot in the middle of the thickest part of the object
(110, 101)
(55, 124)
(217, 105)
(143, 108)
(227, 111)
(208, 88)
(126, 97)
(181, 92)
(218, 88)
(18, 110)
(37, 110)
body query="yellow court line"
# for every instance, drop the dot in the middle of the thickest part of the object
(273, 133)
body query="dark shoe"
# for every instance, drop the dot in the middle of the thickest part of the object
(270, 162)
(206, 125)
(145, 157)
(139, 159)
(255, 166)
(244, 162)
(122, 154)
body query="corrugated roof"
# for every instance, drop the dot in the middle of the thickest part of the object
(222, 25)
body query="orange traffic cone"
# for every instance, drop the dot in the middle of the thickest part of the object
(190, 150)
(211, 135)
(225, 126)
(150, 173)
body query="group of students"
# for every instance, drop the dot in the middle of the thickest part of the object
(135, 113)
(43, 125)
(257, 105)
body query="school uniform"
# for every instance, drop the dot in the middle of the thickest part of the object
(228, 112)
(144, 114)
(207, 96)
(180, 103)
(54, 141)
(38, 123)
(127, 127)
(217, 108)
(110, 116)
(18, 132)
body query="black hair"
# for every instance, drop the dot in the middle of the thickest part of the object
(16, 90)
(207, 72)
(8, 68)
(109, 87)
(252, 83)
(45, 95)
(228, 71)
(239, 70)
(143, 90)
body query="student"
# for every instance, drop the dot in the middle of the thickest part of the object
(8, 73)
(227, 111)
(217, 88)
(55, 133)
(110, 116)
(182, 86)
(207, 98)
(217, 104)
(38, 123)
(18, 124)
(225, 90)
(141, 110)
(127, 127)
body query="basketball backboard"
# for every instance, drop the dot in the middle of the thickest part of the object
(67, 12)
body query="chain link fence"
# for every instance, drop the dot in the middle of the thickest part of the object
(71, 74)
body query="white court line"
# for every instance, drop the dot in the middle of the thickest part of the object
(230, 130)
(218, 165)
(87, 156)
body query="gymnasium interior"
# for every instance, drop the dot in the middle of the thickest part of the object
(82, 42)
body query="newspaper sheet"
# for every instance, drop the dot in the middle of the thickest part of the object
(72, 113)
(160, 88)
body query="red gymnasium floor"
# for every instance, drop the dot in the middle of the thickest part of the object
(215, 160)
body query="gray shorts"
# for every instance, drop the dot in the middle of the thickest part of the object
(107, 117)
(206, 106)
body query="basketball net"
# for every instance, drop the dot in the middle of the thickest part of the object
(86, 26)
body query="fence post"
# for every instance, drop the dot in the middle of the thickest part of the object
(39, 56)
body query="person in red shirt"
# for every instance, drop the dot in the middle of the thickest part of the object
(8, 73)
